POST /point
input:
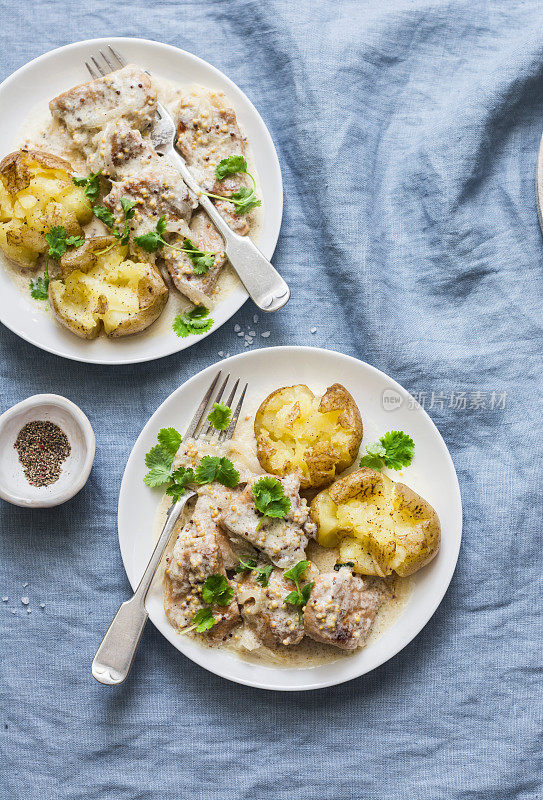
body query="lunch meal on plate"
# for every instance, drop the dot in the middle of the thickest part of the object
(97, 224)
(297, 548)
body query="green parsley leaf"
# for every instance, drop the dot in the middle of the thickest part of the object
(246, 565)
(230, 166)
(244, 199)
(263, 576)
(372, 461)
(395, 449)
(269, 497)
(338, 566)
(170, 439)
(203, 620)
(399, 449)
(220, 416)
(193, 322)
(59, 241)
(39, 289)
(201, 261)
(160, 463)
(296, 572)
(219, 469)
(216, 589)
(91, 184)
(105, 215)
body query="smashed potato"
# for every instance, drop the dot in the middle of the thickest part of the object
(317, 437)
(381, 526)
(37, 194)
(103, 289)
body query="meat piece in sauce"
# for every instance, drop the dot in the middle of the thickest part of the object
(86, 109)
(342, 608)
(282, 540)
(207, 133)
(265, 612)
(198, 288)
(197, 555)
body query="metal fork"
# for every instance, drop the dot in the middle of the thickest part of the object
(115, 655)
(263, 283)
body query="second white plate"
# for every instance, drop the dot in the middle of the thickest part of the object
(384, 405)
(58, 70)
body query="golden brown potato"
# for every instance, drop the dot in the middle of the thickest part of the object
(380, 525)
(318, 437)
(36, 194)
(104, 289)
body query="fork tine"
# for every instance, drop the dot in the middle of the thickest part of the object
(204, 430)
(93, 74)
(98, 67)
(108, 62)
(200, 411)
(117, 56)
(229, 432)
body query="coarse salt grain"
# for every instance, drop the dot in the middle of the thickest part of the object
(313, 330)
(265, 334)
(255, 318)
(29, 611)
(5, 599)
(241, 334)
(25, 585)
(13, 610)
(220, 353)
(42, 605)
(252, 333)
(25, 601)
(237, 328)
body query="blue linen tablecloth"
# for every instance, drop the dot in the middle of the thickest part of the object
(407, 133)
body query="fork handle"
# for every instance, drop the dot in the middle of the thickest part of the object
(265, 286)
(115, 655)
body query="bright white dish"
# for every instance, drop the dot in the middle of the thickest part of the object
(265, 370)
(25, 91)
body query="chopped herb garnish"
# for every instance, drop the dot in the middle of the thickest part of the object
(59, 241)
(216, 589)
(202, 621)
(246, 565)
(91, 184)
(154, 240)
(395, 449)
(263, 575)
(160, 458)
(243, 198)
(104, 215)
(300, 596)
(217, 469)
(108, 219)
(195, 321)
(220, 416)
(270, 499)
(39, 289)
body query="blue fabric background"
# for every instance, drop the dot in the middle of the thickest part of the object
(407, 132)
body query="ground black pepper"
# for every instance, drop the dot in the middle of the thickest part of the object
(42, 448)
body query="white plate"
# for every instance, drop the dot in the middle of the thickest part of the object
(432, 474)
(58, 70)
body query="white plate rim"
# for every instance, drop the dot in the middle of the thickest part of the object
(227, 308)
(198, 655)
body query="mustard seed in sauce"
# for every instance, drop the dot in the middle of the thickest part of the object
(42, 448)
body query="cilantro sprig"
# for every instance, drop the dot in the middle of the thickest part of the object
(152, 241)
(217, 469)
(202, 621)
(91, 184)
(58, 241)
(262, 573)
(299, 596)
(243, 198)
(39, 289)
(107, 217)
(216, 589)
(220, 416)
(195, 321)
(395, 450)
(270, 499)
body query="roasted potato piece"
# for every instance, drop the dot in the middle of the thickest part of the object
(36, 194)
(381, 526)
(317, 437)
(103, 289)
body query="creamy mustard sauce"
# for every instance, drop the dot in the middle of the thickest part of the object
(40, 131)
(307, 652)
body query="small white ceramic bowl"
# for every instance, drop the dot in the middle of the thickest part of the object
(14, 487)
